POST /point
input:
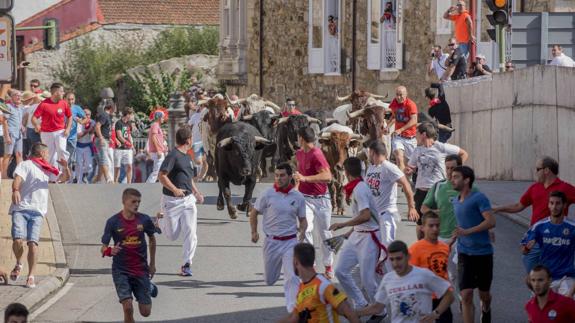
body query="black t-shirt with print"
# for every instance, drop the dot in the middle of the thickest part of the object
(126, 130)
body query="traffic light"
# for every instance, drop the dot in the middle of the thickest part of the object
(51, 39)
(500, 13)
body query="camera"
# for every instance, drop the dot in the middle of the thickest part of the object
(432, 54)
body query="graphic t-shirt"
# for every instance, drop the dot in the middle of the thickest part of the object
(180, 171)
(53, 114)
(382, 180)
(410, 297)
(403, 112)
(318, 300)
(280, 211)
(430, 163)
(433, 256)
(309, 164)
(468, 215)
(126, 131)
(130, 234)
(557, 243)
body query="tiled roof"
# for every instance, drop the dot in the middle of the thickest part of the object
(160, 12)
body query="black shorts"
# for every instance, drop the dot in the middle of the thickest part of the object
(419, 197)
(2, 146)
(475, 272)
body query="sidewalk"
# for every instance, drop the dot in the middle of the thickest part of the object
(507, 192)
(51, 270)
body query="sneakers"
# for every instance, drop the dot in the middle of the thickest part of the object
(186, 271)
(156, 221)
(30, 283)
(15, 274)
(486, 316)
(328, 272)
(153, 290)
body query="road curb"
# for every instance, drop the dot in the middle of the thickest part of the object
(59, 277)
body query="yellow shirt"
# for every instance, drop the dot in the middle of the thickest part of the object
(318, 300)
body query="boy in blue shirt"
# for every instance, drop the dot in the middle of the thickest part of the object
(556, 236)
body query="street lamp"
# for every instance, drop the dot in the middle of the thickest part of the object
(176, 115)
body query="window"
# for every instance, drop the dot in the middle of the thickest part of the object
(384, 35)
(324, 38)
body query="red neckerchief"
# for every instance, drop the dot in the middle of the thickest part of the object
(349, 187)
(44, 165)
(283, 190)
(434, 102)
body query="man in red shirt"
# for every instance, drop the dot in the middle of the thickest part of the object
(290, 108)
(55, 123)
(312, 177)
(537, 195)
(546, 305)
(404, 112)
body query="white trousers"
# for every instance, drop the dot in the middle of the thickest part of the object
(83, 162)
(358, 249)
(318, 216)
(278, 256)
(56, 142)
(180, 216)
(388, 230)
(158, 160)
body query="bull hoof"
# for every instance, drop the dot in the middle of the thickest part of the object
(243, 207)
(233, 213)
(220, 207)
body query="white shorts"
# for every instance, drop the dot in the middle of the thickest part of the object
(406, 144)
(123, 157)
(562, 286)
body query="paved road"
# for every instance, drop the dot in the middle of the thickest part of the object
(227, 285)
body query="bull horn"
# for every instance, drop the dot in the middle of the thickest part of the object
(355, 114)
(343, 98)
(356, 136)
(273, 106)
(313, 120)
(261, 140)
(224, 142)
(375, 96)
(326, 134)
(283, 120)
(444, 127)
(248, 117)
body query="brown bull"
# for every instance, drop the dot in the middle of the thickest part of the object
(218, 115)
(374, 119)
(359, 100)
(335, 147)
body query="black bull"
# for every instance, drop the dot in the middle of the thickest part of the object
(264, 121)
(287, 141)
(238, 152)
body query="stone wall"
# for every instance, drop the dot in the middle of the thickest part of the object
(509, 120)
(43, 63)
(286, 54)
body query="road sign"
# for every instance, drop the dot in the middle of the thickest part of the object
(7, 57)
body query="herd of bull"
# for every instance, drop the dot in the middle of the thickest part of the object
(238, 145)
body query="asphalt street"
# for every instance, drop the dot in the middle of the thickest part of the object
(227, 285)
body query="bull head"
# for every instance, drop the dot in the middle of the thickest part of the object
(355, 114)
(361, 93)
(226, 141)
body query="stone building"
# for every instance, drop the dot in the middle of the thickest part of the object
(112, 21)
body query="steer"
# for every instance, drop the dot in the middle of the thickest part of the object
(254, 104)
(374, 119)
(335, 142)
(238, 152)
(217, 116)
(287, 141)
(264, 121)
(358, 100)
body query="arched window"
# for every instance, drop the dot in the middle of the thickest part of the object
(324, 37)
(384, 35)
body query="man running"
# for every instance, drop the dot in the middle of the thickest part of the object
(130, 270)
(282, 208)
(312, 176)
(382, 177)
(318, 300)
(556, 238)
(362, 247)
(179, 197)
(404, 111)
(537, 196)
(432, 254)
(475, 259)
(429, 161)
(124, 152)
(408, 290)
(546, 306)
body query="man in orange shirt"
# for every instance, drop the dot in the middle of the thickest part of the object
(432, 254)
(318, 300)
(404, 111)
(463, 26)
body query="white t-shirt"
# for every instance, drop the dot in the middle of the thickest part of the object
(410, 297)
(87, 138)
(430, 163)
(438, 65)
(382, 180)
(362, 199)
(194, 122)
(30, 109)
(562, 60)
(34, 188)
(280, 211)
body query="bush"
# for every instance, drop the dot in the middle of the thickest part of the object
(182, 41)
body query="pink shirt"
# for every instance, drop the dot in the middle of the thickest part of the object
(155, 131)
(309, 164)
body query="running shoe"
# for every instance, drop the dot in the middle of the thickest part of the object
(186, 271)
(486, 316)
(153, 290)
(15, 274)
(30, 282)
(328, 272)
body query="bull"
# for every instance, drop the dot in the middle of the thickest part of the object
(264, 122)
(238, 152)
(358, 100)
(217, 116)
(254, 104)
(287, 141)
(336, 141)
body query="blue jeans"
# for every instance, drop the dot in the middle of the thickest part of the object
(532, 258)
(26, 224)
(464, 48)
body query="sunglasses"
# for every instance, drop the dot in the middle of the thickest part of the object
(539, 168)
(34, 85)
(450, 45)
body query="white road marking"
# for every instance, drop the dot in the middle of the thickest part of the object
(51, 301)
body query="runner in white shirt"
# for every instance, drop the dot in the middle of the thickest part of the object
(429, 161)
(559, 58)
(362, 247)
(196, 120)
(283, 208)
(382, 176)
(408, 290)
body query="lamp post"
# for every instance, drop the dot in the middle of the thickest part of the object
(176, 115)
